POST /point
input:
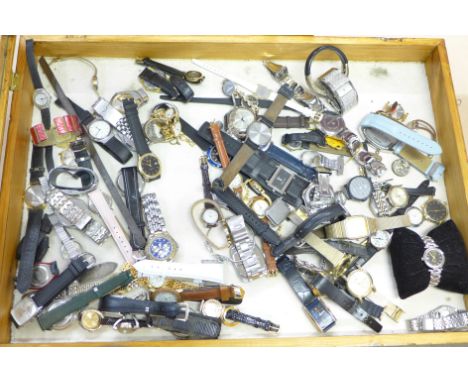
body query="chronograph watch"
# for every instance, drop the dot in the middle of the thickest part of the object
(160, 245)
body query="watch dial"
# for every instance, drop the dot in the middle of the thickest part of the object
(332, 124)
(380, 239)
(434, 258)
(153, 131)
(212, 308)
(99, 129)
(210, 216)
(260, 206)
(161, 248)
(400, 167)
(415, 215)
(259, 133)
(41, 98)
(240, 119)
(150, 165)
(166, 296)
(436, 210)
(398, 197)
(360, 188)
(359, 283)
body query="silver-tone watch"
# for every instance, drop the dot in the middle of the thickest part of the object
(318, 195)
(41, 98)
(246, 255)
(160, 245)
(442, 318)
(434, 258)
(139, 96)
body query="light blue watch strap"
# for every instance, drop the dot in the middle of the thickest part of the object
(401, 133)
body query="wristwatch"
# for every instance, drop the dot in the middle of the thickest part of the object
(47, 319)
(435, 211)
(106, 111)
(259, 135)
(358, 188)
(434, 258)
(228, 294)
(139, 96)
(160, 245)
(247, 257)
(148, 163)
(192, 76)
(356, 227)
(238, 120)
(210, 215)
(30, 306)
(155, 78)
(231, 316)
(334, 84)
(131, 190)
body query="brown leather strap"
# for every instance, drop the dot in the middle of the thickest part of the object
(219, 143)
(221, 293)
(269, 259)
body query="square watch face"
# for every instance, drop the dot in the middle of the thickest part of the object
(356, 227)
(281, 179)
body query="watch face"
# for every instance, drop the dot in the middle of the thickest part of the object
(435, 211)
(161, 247)
(91, 319)
(41, 98)
(359, 283)
(239, 120)
(149, 166)
(210, 217)
(236, 182)
(400, 167)
(332, 124)
(99, 129)
(152, 130)
(260, 134)
(415, 216)
(194, 76)
(34, 197)
(398, 196)
(212, 308)
(259, 206)
(380, 239)
(281, 179)
(228, 88)
(165, 296)
(434, 258)
(359, 188)
(42, 275)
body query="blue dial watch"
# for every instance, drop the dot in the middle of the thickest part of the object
(160, 245)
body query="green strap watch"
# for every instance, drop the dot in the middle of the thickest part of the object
(48, 319)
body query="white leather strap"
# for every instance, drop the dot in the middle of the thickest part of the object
(112, 224)
(204, 272)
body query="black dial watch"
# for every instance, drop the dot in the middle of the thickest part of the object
(148, 163)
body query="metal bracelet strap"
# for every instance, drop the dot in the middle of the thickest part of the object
(334, 256)
(154, 220)
(442, 318)
(72, 247)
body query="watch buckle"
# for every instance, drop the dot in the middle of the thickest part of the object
(394, 312)
(186, 310)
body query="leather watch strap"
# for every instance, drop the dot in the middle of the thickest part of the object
(128, 305)
(159, 66)
(182, 87)
(28, 250)
(196, 326)
(316, 136)
(131, 114)
(223, 293)
(233, 168)
(414, 193)
(256, 322)
(240, 208)
(291, 162)
(215, 129)
(314, 307)
(299, 122)
(160, 82)
(347, 302)
(76, 268)
(285, 93)
(133, 200)
(48, 319)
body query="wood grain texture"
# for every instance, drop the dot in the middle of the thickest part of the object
(416, 339)
(431, 51)
(7, 52)
(13, 185)
(235, 47)
(450, 135)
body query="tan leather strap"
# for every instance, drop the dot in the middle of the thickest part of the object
(219, 143)
(241, 158)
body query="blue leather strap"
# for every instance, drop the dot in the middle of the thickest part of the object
(400, 132)
(291, 162)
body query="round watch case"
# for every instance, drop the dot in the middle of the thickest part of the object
(238, 121)
(99, 130)
(434, 258)
(210, 217)
(398, 197)
(41, 98)
(400, 167)
(90, 319)
(165, 295)
(161, 246)
(212, 308)
(42, 275)
(34, 197)
(380, 239)
(359, 188)
(149, 166)
(194, 76)
(359, 283)
(415, 215)
(435, 211)
(332, 124)
(260, 134)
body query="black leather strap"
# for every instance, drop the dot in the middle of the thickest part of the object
(182, 87)
(256, 322)
(196, 326)
(36, 79)
(82, 159)
(157, 65)
(343, 299)
(37, 165)
(192, 133)
(323, 216)
(414, 193)
(299, 122)
(84, 116)
(372, 308)
(56, 286)
(131, 114)
(29, 250)
(236, 205)
(312, 304)
(159, 81)
(116, 149)
(133, 201)
(128, 305)
(303, 139)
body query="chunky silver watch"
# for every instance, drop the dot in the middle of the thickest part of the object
(160, 245)
(444, 317)
(245, 254)
(434, 258)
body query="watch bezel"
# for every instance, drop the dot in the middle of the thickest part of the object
(166, 236)
(101, 140)
(427, 261)
(145, 175)
(45, 92)
(352, 290)
(427, 214)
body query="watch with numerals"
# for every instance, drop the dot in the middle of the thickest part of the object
(160, 246)
(259, 134)
(247, 257)
(148, 163)
(357, 227)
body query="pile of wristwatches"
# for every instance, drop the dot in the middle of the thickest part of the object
(263, 210)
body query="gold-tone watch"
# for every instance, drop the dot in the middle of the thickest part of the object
(357, 227)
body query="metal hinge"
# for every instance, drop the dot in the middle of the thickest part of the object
(14, 81)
